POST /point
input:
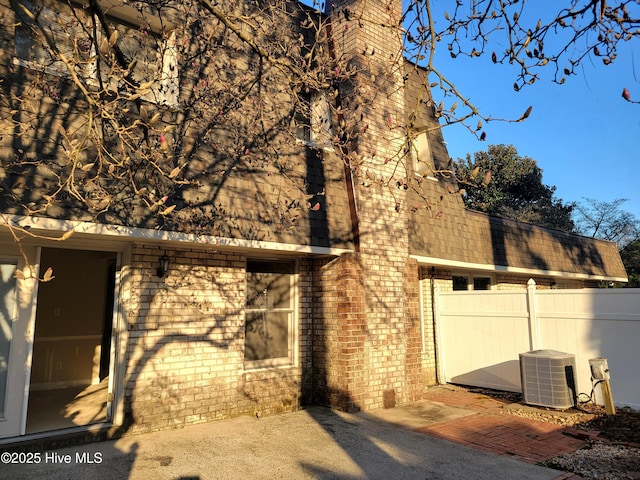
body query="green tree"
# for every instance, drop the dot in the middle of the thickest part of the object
(503, 183)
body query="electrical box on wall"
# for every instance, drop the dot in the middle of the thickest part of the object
(599, 368)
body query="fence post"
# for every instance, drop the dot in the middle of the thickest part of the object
(534, 331)
(438, 344)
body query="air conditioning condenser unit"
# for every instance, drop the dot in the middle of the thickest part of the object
(548, 378)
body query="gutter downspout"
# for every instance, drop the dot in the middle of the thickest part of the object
(351, 196)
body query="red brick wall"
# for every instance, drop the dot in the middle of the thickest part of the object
(339, 333)
(367, 332)
(416, 372)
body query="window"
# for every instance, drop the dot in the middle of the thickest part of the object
(154, 58)
(422, 157)
(270, 327)
(315, 128)
(146, 43)
(468, 282)
(460, 283)
(38, 26)
(481, 283)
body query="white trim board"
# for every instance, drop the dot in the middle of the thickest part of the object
(121, 233)
(443, 262)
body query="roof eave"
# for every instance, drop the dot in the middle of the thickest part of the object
(54, 229)
(456, 264)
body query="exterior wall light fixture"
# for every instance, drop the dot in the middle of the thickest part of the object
(163, 268)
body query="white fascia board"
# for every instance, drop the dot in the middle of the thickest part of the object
(135, 234)
(443, 262)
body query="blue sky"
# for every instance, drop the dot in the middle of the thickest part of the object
(583, 134)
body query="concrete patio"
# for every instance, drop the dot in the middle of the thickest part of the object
(449, 435)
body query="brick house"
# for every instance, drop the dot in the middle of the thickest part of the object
(240, 307)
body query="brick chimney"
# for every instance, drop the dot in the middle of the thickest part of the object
(367, 332)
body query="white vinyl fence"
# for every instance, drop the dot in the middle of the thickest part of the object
(481, 334)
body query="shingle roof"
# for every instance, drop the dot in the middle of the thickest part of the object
(476, 239)
(449, 233)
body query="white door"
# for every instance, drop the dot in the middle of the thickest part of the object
(17, 318)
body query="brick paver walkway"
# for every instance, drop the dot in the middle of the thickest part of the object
(494, 431)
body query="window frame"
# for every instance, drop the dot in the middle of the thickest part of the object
(420, 150)
(315, 133)
(471, 281)
(51, 69)
(165, 91)
(291, 359)
(453, 282)
(160, 91)
(477, 277)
